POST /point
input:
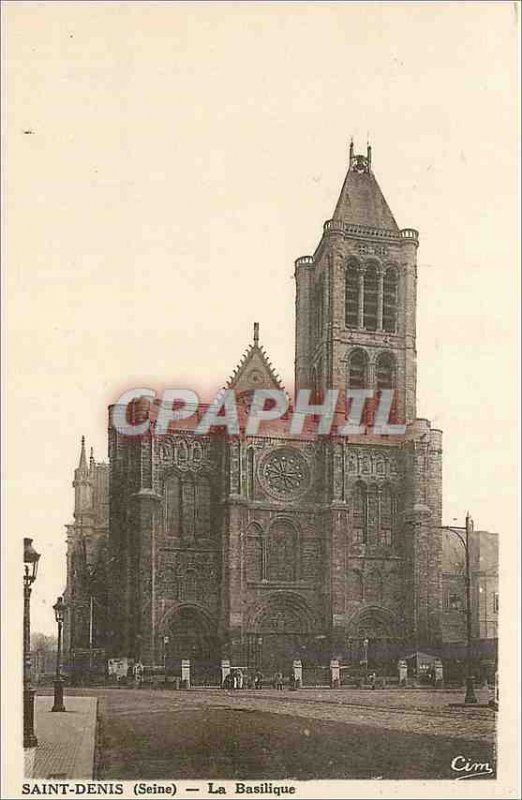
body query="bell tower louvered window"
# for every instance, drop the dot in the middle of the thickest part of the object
(389, 302)
(371, 291)
(352, 297)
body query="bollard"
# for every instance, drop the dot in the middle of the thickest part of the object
(225, 670)
(335, 674)
(185, 673)
(438, 673)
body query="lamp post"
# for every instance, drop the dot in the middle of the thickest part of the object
(464, 540)
(165, 643)
(59, 612)
(91, 578)
(31, 559)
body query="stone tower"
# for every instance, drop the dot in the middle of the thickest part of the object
(356, 328)
(356, 297)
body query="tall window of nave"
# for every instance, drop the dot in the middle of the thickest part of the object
(373, 514)
(274, 555)
(187, 506)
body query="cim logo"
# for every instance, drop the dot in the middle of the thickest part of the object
(469, 768)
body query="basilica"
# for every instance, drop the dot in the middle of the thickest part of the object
(269, 548)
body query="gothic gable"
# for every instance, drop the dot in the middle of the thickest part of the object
(254, 371)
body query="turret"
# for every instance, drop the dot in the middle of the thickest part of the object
(82, 485)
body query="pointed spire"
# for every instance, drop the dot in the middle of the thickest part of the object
(91, 458)
(361, 201)
(83, 458)
(256, 334)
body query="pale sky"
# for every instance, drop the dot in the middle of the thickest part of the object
(182, 155)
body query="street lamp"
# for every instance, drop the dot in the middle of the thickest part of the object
(470, 689)
(165, 643)
(31, 559)
(59, 613)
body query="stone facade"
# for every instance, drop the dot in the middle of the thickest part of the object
(268, 548)
(86, 593)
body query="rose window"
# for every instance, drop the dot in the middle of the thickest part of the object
(285, 474)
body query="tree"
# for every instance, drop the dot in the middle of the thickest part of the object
(41, 643)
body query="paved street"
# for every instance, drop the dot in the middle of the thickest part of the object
(303, 735)
(66, 741)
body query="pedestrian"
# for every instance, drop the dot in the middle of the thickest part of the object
(279, 681)
(239, 675)
(138, 673)
(373, 677)
(258, 677)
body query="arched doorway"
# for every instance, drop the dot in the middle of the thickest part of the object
(190, 633)
(283, 631)
(375, 637)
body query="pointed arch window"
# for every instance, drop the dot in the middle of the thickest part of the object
(182, 453)
(351, 302)
(386, 516)
(371, 291)
(357, 592)
(372, 512)
(173, 505)
(358, 370)
(188, 508)
(203, 509)
(250, 473)
(378, 586)
(190, 586)
(385, 371)
(317, 377)
(319, 307)
(359, 513)
(282, 552)
(254, 554)
(389, 300)
(315, 386)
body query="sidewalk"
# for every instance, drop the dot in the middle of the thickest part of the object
(66, 740)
